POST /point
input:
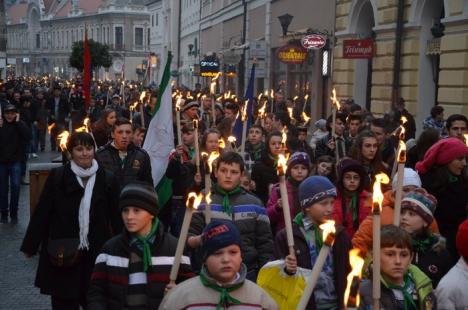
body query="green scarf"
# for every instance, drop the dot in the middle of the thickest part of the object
(452, 178)
(191, 152)
(293, 182)
(226, 206)
(422, 245)
(353, 204)
(145, 241)
(224, 298)
(318, 238)
(408, 299)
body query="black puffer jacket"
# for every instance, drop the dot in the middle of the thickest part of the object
(264, 174)
(251, 219)
(109, 280)
(13, 138)
(137, 166)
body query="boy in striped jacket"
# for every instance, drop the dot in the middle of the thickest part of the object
(132, 270)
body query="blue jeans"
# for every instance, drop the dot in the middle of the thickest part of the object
(10, 178)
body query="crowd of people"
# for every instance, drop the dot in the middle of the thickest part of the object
(106, 240)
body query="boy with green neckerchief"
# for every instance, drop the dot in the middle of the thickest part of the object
(231, 202)
(222, 282)
(132, 270)
(403, 286)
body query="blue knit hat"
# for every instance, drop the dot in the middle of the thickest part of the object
(314, 189)
(219, 234)
(298, 158)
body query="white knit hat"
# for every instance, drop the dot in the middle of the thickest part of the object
(410, 177)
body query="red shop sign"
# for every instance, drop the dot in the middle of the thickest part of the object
(313, 41)
(292, 54)
(358, 49)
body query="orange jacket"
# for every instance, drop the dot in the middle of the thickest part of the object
(362, 239)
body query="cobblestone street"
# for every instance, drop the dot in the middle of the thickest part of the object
(17, 273)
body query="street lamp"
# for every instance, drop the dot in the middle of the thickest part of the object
(285, 21)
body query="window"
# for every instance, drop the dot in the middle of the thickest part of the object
(152, 20)
(157, 19)
(38, 40)
(138, 37)
(118, 37)
(148, 37)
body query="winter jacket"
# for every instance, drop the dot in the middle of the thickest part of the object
(426, 297)
(264, 174)
(250, 217)
(362, 239)
(434, 262)
(137, 166)
(110, 277)
(13, 138)
(451, 291)
(452, 199)
(275, 212)
(255, 152)
(192, 294)
(323, 149)
(182, 174)
(63, 110)
(364, 204)
(56, 217)
(340, 253)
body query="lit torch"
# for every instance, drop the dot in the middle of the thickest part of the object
(351, 296)
(328, 231)
(377, 199)
(335, 107)
(50, 127)
(401, 158)
(213, 93)
(208, 169)
(193, 201)
(179, 130)
(232, 142)
(244, 126)
(306, 97)
(221, 143)
(305, 117)
(282, 167)
(466, 138)
(142, 112)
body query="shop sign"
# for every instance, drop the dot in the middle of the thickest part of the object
(209, 66)
(292, 54)
(358, 49)
(313, 42)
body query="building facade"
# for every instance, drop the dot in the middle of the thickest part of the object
(40, 35)
(421, 54)
(155, 9)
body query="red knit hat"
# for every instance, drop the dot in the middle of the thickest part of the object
(442, 153)
(462, 239)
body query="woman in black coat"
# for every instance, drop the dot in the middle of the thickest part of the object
(76, 214)
(264, 172)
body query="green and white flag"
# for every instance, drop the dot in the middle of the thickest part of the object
(159, 140)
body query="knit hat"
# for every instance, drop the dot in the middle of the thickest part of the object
(423, 203)
(321, 123)
(296, 159)
(314, 189)
(140, 195)
(348, 164)
(10, 108)
(462, 239)
(219, 234)
(190, 104)
(410, 177)
(442, 153)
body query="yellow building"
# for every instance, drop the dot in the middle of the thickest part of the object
(433, 66)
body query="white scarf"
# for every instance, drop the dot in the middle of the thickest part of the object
(85, 203)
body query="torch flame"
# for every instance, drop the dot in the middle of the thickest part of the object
(232, 139)
(272, 94)
(290, 111)
(86, 122)
(259, 97)
(261, 111)
(213, 83)
(466, 138)
(266, 93)
(221, 143)
(403, 120)
(213, 156)
(334, 99)
(377, 196)
(306, 97)
(284, 136)
(305, 117)
(194, 200)
(244, 111)
(133, 106)
(50, 127)
(208, 198)
(402, 152)
(282, 163)
(179, 102)
(143, 95)
(295, 98)
(328, 228)
(82, 129)
(63, 140)
(356, 262)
